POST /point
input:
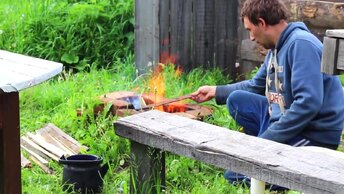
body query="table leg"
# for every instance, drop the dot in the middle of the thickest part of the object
(10, 174)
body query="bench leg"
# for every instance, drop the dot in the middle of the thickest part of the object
(10, 177)
(257, 186)
(147, 173)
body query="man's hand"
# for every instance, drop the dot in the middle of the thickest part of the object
(204, 93)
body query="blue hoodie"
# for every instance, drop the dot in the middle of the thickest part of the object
(305, 101)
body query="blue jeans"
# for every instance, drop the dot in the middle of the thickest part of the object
(251, 112)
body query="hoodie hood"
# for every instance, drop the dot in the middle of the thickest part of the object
(288, 30)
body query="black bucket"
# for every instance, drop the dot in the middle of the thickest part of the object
(83, 173)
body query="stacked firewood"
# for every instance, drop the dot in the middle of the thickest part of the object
(48, 143)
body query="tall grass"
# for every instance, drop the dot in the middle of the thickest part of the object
(79, 33)
(57, 100)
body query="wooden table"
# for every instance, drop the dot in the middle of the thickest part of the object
(17, 72)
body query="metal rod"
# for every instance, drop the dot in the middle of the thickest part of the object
(167, 101)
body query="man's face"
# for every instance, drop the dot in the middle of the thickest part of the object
(258, 33)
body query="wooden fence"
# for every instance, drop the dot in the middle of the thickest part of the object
(209, 33)
(189, 33)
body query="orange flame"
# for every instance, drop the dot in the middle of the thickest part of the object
(166, 58)
(157, 90)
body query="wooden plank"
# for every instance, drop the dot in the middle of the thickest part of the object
(25, 163)
(33, 153)
(146, 34)
(38, 139)
(265, 160)
(43, 166)
(64, 138)
(10, 174)
(52, 140)
(181, 33)
(37, 158)
(329, 56)
(226, 35)
(26, 142)
(147, 172)
(55, 130)
(337, 33)
(340, 60)
(164, 30)
(203, 41)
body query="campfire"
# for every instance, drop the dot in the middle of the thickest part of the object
(125, 103)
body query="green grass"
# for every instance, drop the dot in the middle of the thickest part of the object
(57, 100)
(78, 33)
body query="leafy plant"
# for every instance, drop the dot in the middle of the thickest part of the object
(79, 34)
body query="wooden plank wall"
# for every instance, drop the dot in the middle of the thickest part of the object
(191, 33)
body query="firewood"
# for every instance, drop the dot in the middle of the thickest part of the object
(27, 142)
(38, 139)
(66, 139)
(51, 140)
(25, 163)
(37, 156)
(168, 101)
(43, 166)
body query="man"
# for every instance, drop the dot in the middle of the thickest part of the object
(289, 100)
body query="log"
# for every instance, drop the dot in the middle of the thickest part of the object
(317, 14)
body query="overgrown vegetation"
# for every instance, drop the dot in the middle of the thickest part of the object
(57, 100)
(78, 33)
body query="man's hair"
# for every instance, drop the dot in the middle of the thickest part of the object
(272, 11)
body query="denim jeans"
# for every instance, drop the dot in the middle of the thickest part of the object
(251, 112)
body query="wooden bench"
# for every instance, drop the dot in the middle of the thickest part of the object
(153, 132)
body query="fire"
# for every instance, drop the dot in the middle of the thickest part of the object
(157, 90)
(166, 58)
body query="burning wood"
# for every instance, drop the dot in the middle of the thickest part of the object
(169, 101)
(123, 104)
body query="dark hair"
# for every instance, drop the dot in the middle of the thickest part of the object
(272, 11)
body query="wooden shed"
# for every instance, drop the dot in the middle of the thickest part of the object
(209, 33)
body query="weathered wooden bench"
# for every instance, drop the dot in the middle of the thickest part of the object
(153, 132)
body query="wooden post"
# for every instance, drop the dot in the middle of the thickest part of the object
(148, 169)
(10, 143)
(146, 35)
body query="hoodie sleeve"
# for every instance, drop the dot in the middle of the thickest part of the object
(254, 85)
(304, 59)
